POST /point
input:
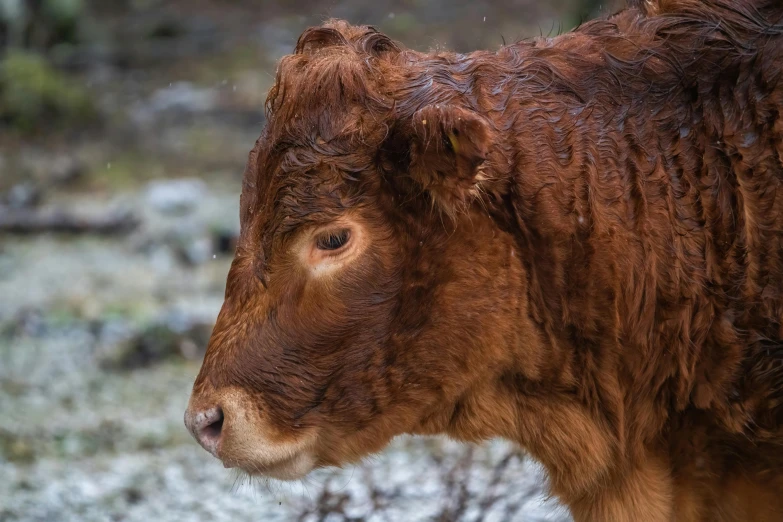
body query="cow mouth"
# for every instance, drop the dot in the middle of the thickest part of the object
(293, 467)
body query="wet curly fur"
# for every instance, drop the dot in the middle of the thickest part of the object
(578, 246)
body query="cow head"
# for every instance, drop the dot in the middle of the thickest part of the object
(375, 290)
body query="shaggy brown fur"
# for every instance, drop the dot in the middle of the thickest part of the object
(575, 243)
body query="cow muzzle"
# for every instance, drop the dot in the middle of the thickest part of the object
(231, 427)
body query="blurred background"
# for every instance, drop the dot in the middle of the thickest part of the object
(124, 130)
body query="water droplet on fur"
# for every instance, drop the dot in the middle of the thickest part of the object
(749, 139)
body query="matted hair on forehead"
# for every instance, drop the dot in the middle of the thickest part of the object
(363, 39)
(333, 67)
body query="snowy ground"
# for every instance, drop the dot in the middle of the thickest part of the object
(180, 483)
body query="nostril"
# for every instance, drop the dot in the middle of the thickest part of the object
(206, 427)
(213, 429)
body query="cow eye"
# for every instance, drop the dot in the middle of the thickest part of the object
(333, 240)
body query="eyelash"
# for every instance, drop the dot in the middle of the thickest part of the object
(333, 240)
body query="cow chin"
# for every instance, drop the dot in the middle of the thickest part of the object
(294, 467)
(229, 425)
(254, 454)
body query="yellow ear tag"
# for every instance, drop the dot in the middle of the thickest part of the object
(454, 142)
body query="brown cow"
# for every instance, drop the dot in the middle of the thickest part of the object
(574, 243)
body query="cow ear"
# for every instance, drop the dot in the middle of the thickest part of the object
(448, 152)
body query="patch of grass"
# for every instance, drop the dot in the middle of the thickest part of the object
(61, 317)
(103, 438)
(16, 448)
(157, 343)
(34, 96)
(222, 67)
(12, 387)
(125, 171)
